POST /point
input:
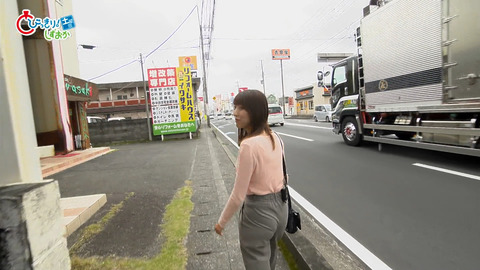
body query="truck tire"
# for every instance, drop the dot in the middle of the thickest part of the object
(327, 119)
(315, 118)
(350, 131)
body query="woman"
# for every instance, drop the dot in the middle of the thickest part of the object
(258, 184)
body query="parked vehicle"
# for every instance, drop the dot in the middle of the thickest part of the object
(221, 116)
(228, 116)
(414, 83)
(115, 119)
(323, 113)
(275, 115)
(95, 119)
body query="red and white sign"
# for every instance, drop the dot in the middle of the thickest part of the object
(241, 89)
(280, 54)
(162, 77)
(200, 99)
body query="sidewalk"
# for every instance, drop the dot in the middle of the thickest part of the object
(153, 172)
(212, 183)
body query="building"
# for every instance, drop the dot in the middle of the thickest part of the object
(306, 98)
(125, 99)
(36, 110)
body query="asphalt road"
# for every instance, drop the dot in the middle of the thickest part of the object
(408, 216)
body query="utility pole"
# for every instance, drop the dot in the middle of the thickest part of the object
(263, 78)
(205, 93)
(283, 88)
(146, 100)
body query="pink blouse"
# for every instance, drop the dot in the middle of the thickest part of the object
(259, 172)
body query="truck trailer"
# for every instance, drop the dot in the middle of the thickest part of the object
(415, 79)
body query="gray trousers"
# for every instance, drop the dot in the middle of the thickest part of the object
(263, 219)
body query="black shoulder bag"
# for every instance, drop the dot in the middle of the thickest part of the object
(293, 222)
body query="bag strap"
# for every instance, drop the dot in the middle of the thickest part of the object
(283, 160)
(285, 174)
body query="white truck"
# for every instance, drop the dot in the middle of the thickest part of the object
(415, 80)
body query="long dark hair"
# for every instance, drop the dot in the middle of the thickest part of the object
(256, 105)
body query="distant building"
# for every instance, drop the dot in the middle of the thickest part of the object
(125, 99)
(306, 98)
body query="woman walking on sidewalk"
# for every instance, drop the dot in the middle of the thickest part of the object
(258, 184)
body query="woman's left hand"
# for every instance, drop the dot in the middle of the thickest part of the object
(218, 229)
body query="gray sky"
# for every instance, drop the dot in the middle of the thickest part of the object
(244, 33)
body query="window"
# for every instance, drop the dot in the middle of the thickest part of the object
(301, 106)
(120, 97)
(274, 110)
(310, 105)
(339, 75)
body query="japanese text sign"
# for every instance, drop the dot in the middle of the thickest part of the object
(171, 97)
(280, 54)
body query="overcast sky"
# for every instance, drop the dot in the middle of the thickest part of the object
(244, 34)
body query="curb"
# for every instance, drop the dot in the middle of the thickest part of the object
(73, 162)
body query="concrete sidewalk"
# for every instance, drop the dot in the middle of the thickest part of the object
(213, 181)
(153, 172)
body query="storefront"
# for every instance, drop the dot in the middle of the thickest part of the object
(79, 92)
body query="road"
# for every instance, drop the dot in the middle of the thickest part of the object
(409, 215)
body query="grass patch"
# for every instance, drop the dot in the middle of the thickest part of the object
(90, 231)
(175, 228)
(287, 255)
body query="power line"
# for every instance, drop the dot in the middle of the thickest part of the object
(129, 63)
(158, 47)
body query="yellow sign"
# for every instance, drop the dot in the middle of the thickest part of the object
(214, 98)
(188, 61)
(185, 93)
(280, 54)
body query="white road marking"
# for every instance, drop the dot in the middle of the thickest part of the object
(363, 253)
(225, 135)
(471, 176)
(358, 249)
(230, 132)
(296, 137)
(301, 125)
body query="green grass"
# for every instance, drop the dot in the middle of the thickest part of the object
(175, 227)
(93, 229)
(287, 255)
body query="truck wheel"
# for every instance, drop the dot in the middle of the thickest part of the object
(315, 118)
(281, 124)
(350, 132)
(327, 119)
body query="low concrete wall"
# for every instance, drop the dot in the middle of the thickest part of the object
(105, 133)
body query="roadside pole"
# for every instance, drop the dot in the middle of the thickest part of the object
(281, 54)
(205, 93)
(283, 88)
(146, 100)
(263, 78)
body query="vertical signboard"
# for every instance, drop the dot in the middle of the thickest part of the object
(171, 98)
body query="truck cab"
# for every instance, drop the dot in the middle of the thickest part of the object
(345, 88)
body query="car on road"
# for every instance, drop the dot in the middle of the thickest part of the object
(228, 116)
(275, 115)
(115, 119)
(220, 116)
(95, 119)
(212, 116)
(323, 113)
